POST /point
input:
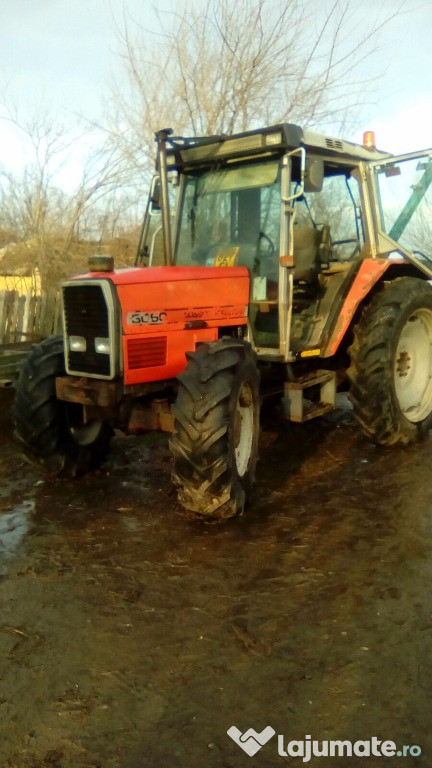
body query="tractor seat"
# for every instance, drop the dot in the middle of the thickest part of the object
(306, 253)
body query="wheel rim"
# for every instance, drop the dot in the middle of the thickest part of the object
(244, 422)
(413, 366)
(84, 433)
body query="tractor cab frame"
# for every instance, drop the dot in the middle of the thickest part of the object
(302, 211)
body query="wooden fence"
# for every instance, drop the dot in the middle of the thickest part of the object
(30, 317)
(24, 319)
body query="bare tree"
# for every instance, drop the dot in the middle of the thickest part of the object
(222, 66)
(45, 213)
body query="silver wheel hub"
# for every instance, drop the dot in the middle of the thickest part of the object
(244, 427)
(413, 366)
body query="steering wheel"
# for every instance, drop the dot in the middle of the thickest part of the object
(271, 249)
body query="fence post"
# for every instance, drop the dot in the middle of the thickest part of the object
(3, 295)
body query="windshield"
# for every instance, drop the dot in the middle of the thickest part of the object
(231, 216)
(405, 200)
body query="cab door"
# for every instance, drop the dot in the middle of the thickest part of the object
(401, 192)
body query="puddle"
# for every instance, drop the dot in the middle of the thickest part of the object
(13, 527)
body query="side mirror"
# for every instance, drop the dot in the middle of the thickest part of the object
(314, 174)
(155, 195)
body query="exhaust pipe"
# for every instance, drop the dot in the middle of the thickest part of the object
(161, 138)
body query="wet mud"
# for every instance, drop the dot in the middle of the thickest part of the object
(133, 637)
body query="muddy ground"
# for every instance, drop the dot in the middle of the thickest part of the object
(131, 637)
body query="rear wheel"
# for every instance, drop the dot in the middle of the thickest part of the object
(215, 442)
(391, 363)
(52, 430)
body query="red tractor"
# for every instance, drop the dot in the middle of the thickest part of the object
(293, 262)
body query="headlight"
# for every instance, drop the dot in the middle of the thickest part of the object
(102, 345)
(77, 344)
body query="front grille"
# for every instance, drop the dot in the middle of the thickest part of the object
(146, 353)
(86, 314)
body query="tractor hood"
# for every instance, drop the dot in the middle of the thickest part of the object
(179, 297)
(165, 312)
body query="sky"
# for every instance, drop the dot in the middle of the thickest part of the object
(63, 54)
(402, 114)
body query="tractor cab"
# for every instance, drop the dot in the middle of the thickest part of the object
(284, 203)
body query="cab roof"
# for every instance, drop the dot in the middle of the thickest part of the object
(269, 141)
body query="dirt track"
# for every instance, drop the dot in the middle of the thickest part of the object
(133, 638)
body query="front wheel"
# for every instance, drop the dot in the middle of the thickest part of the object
(52, 430)
(215, 440)
(391, 363)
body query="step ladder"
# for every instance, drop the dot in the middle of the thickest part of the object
(309, 396)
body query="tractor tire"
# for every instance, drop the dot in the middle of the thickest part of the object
(216, 432)
(52, 430)
(391, 363)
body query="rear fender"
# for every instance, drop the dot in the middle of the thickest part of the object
(369, 274)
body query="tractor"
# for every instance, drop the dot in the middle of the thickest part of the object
(276, 262)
